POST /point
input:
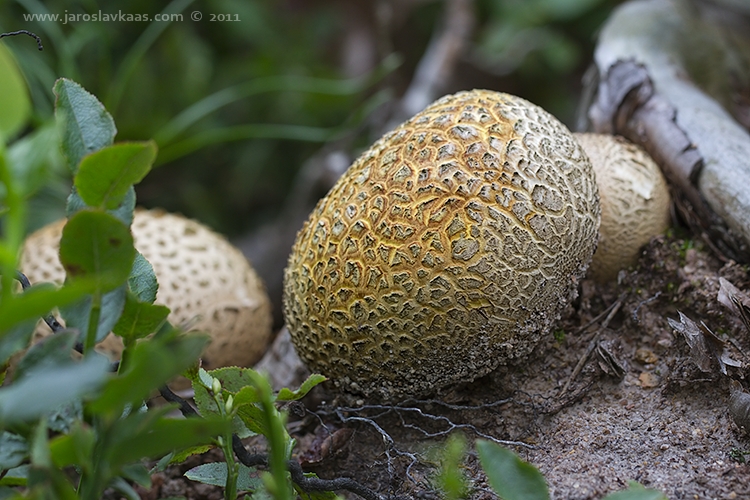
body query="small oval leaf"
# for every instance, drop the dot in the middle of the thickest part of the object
(142, 280)
(215, 473)
(509, 476)
(99, 246)
(86, 125)
(105, 176)
(139, 319)
(78, 315)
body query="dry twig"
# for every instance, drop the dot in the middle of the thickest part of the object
(592, 345)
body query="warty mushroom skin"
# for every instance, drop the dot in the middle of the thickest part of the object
(635, 202)
(449, 247)
(205, 281)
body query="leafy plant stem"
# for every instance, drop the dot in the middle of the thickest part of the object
(230, 492)
(128, 346)
(96, 311)
(278, 440)
(13, 234)
(225, 410)
(90, 486)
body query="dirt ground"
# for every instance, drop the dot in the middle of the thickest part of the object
(640, 409)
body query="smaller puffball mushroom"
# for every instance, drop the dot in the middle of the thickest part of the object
(634, 198)
(205, 281)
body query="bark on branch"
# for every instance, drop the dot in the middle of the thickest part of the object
(664, 68)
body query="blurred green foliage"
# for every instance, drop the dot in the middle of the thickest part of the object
(267, 91)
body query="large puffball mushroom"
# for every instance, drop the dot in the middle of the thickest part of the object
(205, 281)
(635, 202)
(449, 247)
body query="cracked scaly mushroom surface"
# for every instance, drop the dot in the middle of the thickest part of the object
(448, 248)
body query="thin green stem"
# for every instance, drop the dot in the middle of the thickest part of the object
(13, 227)
(278, 439)
(96, 311)
(230, 491)
(225, 442)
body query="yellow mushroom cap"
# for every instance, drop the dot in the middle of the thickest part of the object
(448, 247)
(634, 198)
(205, 281)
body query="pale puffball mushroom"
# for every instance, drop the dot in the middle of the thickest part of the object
(449, 247)
(205, 281)
(634, 198)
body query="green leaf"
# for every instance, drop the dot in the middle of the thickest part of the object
(33, 159)
(138, 473)
(14, 96)
(253, 418)
(52, 351)
(12, 227)
(13, 450)
(124, 212)
(121, 486)
(636, 491)
(288, 395)
(279, 442)
(142, 280)
(150, 366)
(105, 176)
(75, 448)
(40, 454)
(246, 395)
(17, 476)
(16, 339)
(45, 390)
(215, 474)
(150, 434)
(450, 478)
(139, 319)
(99, 246)
(77, 315)
(49, 483)
(204, 378)
(178, 458)
(62, 418)
(234, 380)
(510, 477)
(43, 476)
(39, 300)
(86, 125)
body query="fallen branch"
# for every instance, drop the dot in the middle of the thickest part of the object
(666, 75)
